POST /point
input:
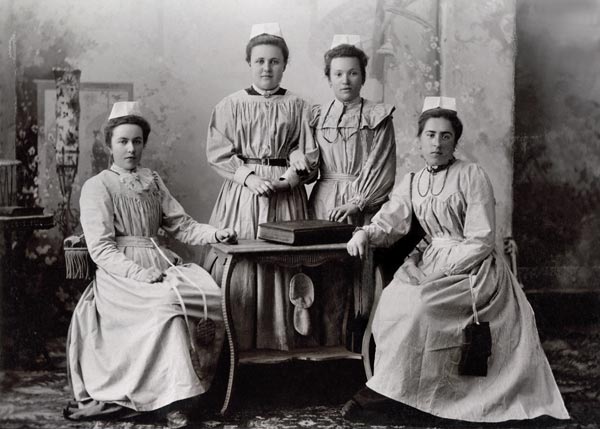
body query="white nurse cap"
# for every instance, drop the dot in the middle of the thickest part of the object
(447, 103)
(271, 28)
(346, 39)
(125, 108)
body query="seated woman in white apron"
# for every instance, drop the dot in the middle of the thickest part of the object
(133, 345)
(421, 358)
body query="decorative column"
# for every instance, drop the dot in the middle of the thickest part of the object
(67, 142)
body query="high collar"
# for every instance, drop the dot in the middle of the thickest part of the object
(347, 104)
(114, 167)
(266, 93)
(434, 169)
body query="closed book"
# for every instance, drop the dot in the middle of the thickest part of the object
(303, 232)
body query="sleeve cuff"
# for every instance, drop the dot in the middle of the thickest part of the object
(241, 174)
(360, 202)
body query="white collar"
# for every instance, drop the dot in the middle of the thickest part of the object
(121, 170)
(265, 92)
(348, 104)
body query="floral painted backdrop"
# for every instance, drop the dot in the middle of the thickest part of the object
(416, 47)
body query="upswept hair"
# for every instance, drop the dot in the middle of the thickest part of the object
(129, 119)
(346, 51)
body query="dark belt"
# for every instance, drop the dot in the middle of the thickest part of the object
(278, 162)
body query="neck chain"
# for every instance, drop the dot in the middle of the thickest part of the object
(432, 171)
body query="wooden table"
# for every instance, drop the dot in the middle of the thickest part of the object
(11, 260)
(285, 256)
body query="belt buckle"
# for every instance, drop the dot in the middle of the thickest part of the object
(265, 161)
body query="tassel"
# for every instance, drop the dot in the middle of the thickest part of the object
(205, 332)
(78, 263)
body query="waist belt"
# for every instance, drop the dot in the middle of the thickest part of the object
(134, 241)
(445, 241)
(274, 162)
(337, 176)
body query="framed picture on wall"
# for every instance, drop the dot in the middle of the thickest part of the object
(96, 100)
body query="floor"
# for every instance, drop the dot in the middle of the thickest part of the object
(304, 395)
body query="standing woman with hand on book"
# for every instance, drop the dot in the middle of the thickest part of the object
(356, 141)
(455, 336)
(148, 330)
(260, 142)
(357, 167)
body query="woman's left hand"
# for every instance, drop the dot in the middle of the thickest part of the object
(340, 213)
(433, 277)
(226, 235)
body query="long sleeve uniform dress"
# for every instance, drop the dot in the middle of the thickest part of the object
(418, 329)
(128, 343)
(357, 165)
(357, 157)
(248, 125)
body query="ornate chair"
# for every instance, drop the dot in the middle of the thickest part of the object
(79, 264)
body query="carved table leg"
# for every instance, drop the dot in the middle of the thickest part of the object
(229, 328)
(366, 340)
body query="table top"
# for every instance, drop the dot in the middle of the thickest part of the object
(261, 246)
(42, 221)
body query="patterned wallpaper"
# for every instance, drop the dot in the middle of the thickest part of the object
(417, 48)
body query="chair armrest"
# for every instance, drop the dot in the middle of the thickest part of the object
(78, 263)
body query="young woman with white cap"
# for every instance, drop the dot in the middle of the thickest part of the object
(357, 166)
(455, 336)
(260, 142)
(148, 330)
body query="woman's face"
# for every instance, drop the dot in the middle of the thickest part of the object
(345, 77)
(127, 145)
(437, 141)
(267, 66)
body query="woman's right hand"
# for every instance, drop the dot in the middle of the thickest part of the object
(259, 186)
(357, 246)
(299, 163)
(151, 275)
(226, 235)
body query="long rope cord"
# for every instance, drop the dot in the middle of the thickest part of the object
(179, 297)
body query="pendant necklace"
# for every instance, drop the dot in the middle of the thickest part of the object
(432, 171)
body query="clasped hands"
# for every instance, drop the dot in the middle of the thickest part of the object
(265, 187)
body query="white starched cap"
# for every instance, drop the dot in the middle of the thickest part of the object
(345, 39)
(125, 108)
(447, 103)
(271, 28)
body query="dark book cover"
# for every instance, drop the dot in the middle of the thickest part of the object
(303, 232)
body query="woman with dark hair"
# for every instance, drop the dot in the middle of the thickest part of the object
(455, 336)
(356, 142)
(259, 141)
(356, 171)
(131, 348)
